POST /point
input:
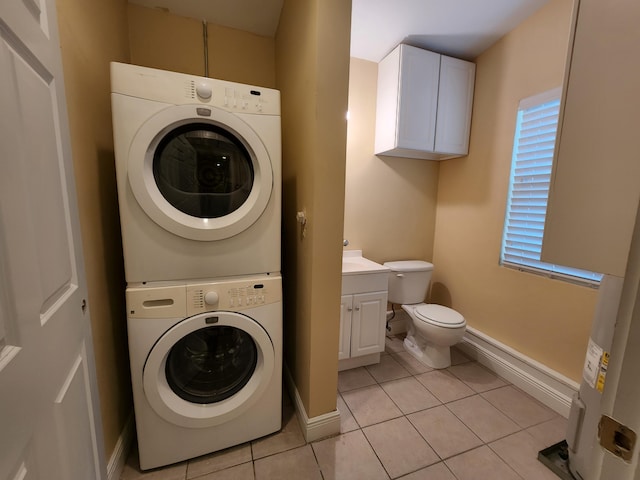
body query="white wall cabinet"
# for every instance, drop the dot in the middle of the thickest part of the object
(424, 104)
(595, 185)
(362, 324)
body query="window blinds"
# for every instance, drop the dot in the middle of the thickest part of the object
(536, 127)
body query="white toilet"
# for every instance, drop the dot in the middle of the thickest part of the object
(433, 328)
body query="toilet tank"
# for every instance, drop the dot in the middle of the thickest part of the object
(408, 281)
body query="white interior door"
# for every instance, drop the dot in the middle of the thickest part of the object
(621, 396)
(49, 415)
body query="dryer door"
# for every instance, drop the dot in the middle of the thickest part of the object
(200, 172)
(208, 369)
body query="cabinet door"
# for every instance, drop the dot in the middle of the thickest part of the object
(419, 72)
(595, 190)
(346, 307)
(407, 102)
(368, 323)
(455, 100)
(387, 102)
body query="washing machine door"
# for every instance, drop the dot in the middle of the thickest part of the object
(208, 369)
(200, 172)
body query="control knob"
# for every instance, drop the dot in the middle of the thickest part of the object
(211, 298)
(203, 90)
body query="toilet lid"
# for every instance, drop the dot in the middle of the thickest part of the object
(439, 315)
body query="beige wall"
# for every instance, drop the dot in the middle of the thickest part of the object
(548, 320)
(169, 42)
(312, 60)
(390, 202)
(91, 35)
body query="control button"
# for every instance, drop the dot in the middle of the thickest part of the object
(228, 95)
(211, 298)
(203, 90)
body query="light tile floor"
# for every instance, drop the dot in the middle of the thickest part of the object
(399, 419)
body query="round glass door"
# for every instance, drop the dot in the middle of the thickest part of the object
(202, 178)
(208, 368)
(203, 170)
(211, 364)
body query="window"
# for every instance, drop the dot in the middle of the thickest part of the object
(533, 146)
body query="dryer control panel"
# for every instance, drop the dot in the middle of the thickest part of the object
(183, 89)
(191, 299)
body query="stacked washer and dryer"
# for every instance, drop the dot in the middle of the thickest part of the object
(198, 165)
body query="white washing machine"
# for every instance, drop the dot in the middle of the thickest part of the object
(198, 165)
(206, 365)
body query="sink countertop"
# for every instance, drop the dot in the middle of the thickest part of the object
(353, 263)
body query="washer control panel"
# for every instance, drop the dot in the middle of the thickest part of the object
(233, 295)
(178, 301)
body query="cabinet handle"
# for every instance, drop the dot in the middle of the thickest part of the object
(357, 309)
(349, 309)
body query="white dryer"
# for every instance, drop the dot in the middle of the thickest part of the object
(206, 365)
(198, 165)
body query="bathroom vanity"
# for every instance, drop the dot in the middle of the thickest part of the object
(363, 311)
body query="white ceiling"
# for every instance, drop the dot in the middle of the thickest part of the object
(460, 28)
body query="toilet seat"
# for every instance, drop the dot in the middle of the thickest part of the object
(439, 315)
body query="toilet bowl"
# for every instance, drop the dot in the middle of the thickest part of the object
(433, 329)
(431, 333)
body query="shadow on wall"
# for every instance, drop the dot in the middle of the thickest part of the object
(411, 172)
(441, 295)
(289, 255)
(114, 272)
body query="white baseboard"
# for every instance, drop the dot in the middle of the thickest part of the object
(544, 384)
(121, 450)
(349, 363)
(314, 428)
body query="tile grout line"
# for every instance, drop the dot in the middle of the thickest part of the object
(475, 393)
(375, 453)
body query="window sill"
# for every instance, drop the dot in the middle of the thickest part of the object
(595, 284)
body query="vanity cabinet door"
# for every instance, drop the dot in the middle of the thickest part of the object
(346, 307)
(595, 189)
(368, 321)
